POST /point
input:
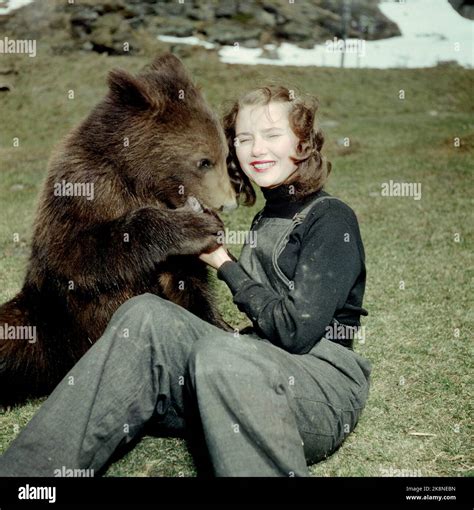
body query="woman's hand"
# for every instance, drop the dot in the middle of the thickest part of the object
(216, 258)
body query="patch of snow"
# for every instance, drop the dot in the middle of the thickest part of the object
(11, 5)
(194, 41)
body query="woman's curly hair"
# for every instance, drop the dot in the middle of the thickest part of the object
(312, 167)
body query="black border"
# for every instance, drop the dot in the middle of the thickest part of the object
(313, 491)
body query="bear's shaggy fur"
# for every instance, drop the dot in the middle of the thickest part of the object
(131, 165)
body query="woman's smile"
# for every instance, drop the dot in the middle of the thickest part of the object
(261, 166)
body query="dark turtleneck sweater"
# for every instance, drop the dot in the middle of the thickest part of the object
(328, 242)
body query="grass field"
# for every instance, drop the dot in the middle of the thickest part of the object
(418, 251)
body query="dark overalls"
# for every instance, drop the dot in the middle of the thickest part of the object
(263, 411)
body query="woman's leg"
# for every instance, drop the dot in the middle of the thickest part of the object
(135, 371)
(266, 412)
(250, 430)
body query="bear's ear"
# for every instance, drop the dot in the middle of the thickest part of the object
(129, 90)
(171, 63)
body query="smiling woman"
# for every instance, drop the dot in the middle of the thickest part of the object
(274, 139)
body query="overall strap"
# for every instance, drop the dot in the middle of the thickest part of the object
(256, 219)
(298, 218)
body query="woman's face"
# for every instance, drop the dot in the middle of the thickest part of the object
(264, 142)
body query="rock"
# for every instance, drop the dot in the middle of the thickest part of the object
(136, 22)
(269, 7)
(226, 32)
(103, 25)
(266, 18)
(172, 8)
(139, 10)
(251, 43)
(107, 6)
(468, 11)
(174, 26)
(85, 17)
(202, 13)
(248, 7)
(270, 53)
(294, 31)
(109, 34)
(464, 7)
(82, 22)
(226, 9)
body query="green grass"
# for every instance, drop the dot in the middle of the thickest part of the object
(421, 377)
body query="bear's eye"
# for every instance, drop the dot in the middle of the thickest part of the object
(205, 163)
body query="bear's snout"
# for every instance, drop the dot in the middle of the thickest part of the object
(230, 206)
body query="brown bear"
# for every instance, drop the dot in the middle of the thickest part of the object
(113, 222)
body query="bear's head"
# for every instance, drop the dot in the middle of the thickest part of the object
(162, 137)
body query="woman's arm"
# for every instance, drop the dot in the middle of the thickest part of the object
(328, 265)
